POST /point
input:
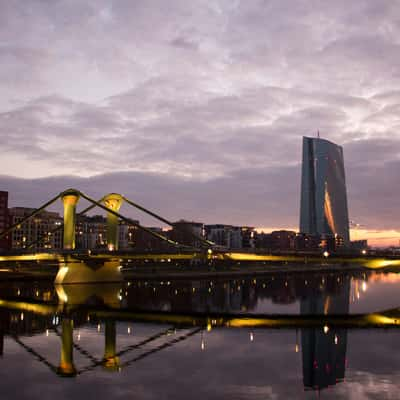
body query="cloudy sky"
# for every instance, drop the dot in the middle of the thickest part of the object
(197, 108)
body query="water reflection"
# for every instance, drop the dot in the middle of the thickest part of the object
(324, 350)
(78, 317)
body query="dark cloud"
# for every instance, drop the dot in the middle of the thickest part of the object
(202, 94)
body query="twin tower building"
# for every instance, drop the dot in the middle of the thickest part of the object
(323, 205)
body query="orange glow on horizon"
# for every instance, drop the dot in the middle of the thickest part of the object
(375, 237)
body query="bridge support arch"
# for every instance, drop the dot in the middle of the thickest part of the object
(70, 199)
(91, 271)
(112, 201)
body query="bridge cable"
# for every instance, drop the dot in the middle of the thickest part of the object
(206, 242)
(162, 347)
(39, 357)
(38, 210)
(30, 245)
(130, 221)
(126, 350)
(79, 348)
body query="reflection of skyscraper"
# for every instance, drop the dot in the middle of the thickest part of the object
(324, 349)
(323, 208)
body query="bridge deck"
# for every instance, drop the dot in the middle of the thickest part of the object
(366, 261)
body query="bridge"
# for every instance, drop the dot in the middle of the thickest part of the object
(74, 264)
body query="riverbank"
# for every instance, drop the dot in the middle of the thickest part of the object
(35, 271)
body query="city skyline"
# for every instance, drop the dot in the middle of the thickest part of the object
(198, 110)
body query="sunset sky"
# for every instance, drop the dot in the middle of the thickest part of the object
(197, 108)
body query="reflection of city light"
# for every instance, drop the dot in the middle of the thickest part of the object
(203, 345)
(79, 336)
(296, 349)
(98, 327)
(47, 332)
(251, 336)
(129, 330)
(326, 329)
(22, 316)
(336, 339)
(326, 254)
(364, 286)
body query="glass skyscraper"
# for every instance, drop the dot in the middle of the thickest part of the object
(323, 206)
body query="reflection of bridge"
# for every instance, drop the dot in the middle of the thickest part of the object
(323, 322)
(184, 326)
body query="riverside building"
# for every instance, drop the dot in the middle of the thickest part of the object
(4, 242)
(37, 233)
(323, 207)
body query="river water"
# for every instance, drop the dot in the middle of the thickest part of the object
(49, 333)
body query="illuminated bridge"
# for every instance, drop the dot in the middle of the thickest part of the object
(74, 264)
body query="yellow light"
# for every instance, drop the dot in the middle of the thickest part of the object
(326, 329)
(326, 254)
(364, 286)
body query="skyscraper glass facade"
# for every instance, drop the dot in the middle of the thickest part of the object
(323, 207)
